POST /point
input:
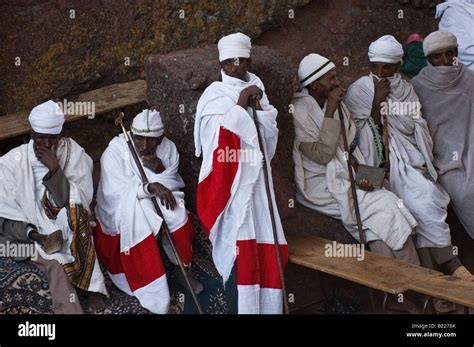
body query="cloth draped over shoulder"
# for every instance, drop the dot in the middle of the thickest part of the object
(447, 97)
(412, 174)
(326, 188)
(23, 193)
(232, 202)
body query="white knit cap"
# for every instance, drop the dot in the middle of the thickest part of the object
(148, 123)
(234, 46)
(312, 67)
(386, 50)
(439, 40)
(47, 118)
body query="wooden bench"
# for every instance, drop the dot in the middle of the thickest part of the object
(388, 275)
(106, 99)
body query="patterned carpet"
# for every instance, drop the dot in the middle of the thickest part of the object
(24, 288)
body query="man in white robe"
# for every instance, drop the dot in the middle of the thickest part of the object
(457, 17)
(446, 90)
(413, 177)
(232, 202)
(321, 172)
(128, 224)
(46, 190)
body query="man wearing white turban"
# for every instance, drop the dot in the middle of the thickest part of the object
(446, 90)
(232, 202)
(46, 191)
(321, 173)
(412, 176)
(128, 225)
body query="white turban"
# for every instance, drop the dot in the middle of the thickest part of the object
(148, 123)
(234, 46)
(47, 118)
(386, 50)
(439, 40)
(312, 67)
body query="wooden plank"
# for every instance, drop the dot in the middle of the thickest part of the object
(106, 99)
(448, 288)
(375, 271)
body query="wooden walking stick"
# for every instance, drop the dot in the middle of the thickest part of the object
(351, 177)
(286, 308)
(164, 226)
(386, 146)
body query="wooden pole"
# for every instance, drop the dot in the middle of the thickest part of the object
(351, 177)
(286, 308)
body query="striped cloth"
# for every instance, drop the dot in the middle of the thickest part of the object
(231, 199)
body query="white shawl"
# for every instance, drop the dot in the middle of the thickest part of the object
(447, 96)
(245, 215)
(22, 191)
(118, 208)
(326, 188)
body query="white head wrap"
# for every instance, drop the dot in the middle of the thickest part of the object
(47, 118)
(148, 123)
(234, 46)
(439, 40)
(386, 50)
(312, 67)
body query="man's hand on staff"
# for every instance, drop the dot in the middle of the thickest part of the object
(164, 194)
(48, 158)
(247, 94)
(153, 163)
(381, 92)
(334, 99)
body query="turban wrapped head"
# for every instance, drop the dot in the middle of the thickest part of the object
(439, 40)
(148, 123)
(236, 45)
(47, 118)
(386, 50)
(312, 67)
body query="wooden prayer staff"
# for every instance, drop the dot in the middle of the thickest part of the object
(351, 177)
(270, 206)
(385, 143)
(164, 226)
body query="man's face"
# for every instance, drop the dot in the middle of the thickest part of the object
(384, 70)
(146, 145)
(444, 57)
(326, 83)
(45, 140)
(236, 67)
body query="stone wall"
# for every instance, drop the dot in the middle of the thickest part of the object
(67, 47)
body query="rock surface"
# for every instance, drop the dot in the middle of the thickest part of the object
(67, 47)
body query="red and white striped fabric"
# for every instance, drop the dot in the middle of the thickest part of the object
(140, 271)
(231, 199)
(128, 223)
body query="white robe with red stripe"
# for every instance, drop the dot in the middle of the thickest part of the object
(232, 202)
(128, 223)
